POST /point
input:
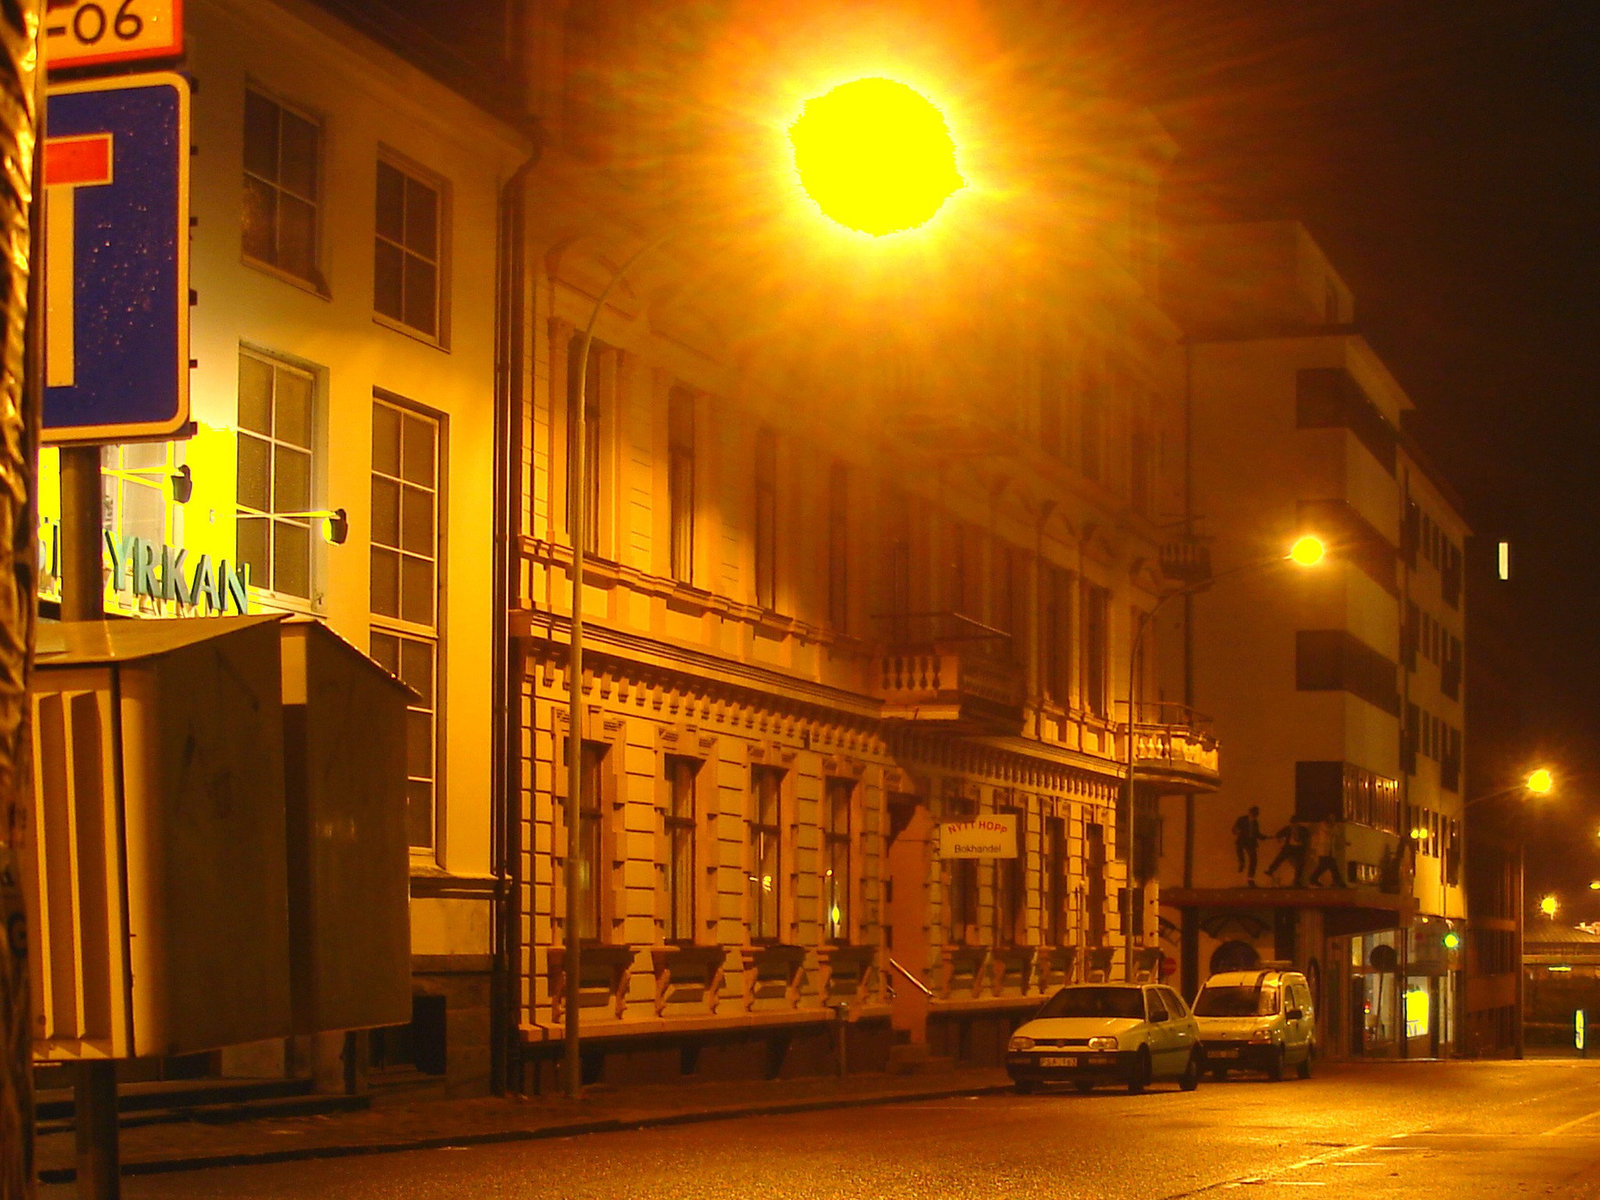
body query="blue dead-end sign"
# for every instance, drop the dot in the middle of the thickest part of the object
(116, 185)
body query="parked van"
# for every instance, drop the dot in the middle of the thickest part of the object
(1258, 1020)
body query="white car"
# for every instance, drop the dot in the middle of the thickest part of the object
(1260, 1020)
(1089, 1033)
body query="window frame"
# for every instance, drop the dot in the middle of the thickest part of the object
(680, 826)
(764, 907)
(766, 519)
(411, 172)
(314, 280)
(265, 592)
(682, 439)
(838, 858)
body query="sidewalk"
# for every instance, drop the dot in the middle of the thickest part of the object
(388, 1127)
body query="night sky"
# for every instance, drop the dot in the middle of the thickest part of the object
(1446, 155)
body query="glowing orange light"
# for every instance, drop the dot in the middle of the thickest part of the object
(1308, 551)
(875, 155)
(1540, 782)
(1548, 906)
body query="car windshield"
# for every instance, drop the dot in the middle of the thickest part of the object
(1238, 1001)
(1095, 1002)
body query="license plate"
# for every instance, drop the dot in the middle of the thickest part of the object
(1058, 1060)
(1222, 1054)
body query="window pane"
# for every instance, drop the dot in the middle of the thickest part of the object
(260, 220)
(385, 583)
(291, 480)
(419, 744)
(422, 219)
(417, 522)
(420, 294)
(255, 466)
(387, 268)
(386, 652)
(420, 436)
(255, 395)
(416, 669)
(291, 559)
(416, 591)
(297, 156)
(252, 549)
(293, 424)
(260, 136)
(385, 512)
(391, 200)
(297, 237)
(385, 439)
(419, 813)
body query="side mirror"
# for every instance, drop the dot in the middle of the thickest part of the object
(1294, 1014)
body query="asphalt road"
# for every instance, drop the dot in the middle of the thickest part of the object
(1374, 1131)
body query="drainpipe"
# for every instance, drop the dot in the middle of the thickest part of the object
(505, 1068)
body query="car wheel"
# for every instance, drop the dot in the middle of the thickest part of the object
(1140, 1077)
(1025, 1086)
(1084, 1085)
(1275, 1067)
(1304, 1069)
(1190, 1079)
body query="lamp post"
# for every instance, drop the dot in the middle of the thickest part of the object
(876, 157)
(1307, 551)
(1538, 782)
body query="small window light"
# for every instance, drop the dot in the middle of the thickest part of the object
(1505, 560)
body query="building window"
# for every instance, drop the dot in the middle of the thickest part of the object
(766, 832)
(1052, 404)
(1010, 892)
(281, 188)
(680, 482)
(405, 587)
(1002, 596)
(962, 902)
(591, 861)
(766, 540)
(1057, 633)
(276, 474)
(1053, 873)
(680, 848)
(897, 564)
(1336, 660)
(1139, 472)
(955, 572)
(592, 414)
(836, 801)
(1096, 647)
(407, 255)
(839, 547)
(414, 661)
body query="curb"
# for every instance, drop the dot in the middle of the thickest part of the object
(205, 1162)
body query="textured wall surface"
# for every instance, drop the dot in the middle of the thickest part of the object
(19, 25)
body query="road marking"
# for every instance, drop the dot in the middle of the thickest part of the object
(1571, 1124)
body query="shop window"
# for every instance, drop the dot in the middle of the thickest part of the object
(408, 258)
(838, 797)
(276, 447)
(282, 188)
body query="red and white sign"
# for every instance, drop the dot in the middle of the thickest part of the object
(84, 33)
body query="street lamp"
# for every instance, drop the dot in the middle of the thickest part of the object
(1548, 906)
(876, 156)
(1539, 782)
(1306, 551)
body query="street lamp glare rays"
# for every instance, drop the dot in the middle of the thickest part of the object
(875, 155)
(1540, 782)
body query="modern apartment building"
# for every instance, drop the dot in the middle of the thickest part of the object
(1336, 842)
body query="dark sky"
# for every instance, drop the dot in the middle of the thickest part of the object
(1446, 155)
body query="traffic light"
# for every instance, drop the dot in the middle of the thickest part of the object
(1451, 940)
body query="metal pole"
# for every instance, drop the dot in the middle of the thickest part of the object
(571, 1063)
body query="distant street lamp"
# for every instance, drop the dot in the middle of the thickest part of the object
(1548, 906)
(1539, 782)
(876, 156)
(1306, 551)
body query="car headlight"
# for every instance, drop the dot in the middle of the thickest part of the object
(1102, 1043)
(1021, 1043)
(1261, 1035)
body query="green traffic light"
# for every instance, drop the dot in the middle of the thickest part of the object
(1452, 941)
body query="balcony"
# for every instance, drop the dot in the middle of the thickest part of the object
(1174, 750)
(962, 681)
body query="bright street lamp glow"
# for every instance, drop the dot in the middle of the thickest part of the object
(1307, 551)
(1548, 906)
(1594, 885)
(1540, 782)
(875, 155)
